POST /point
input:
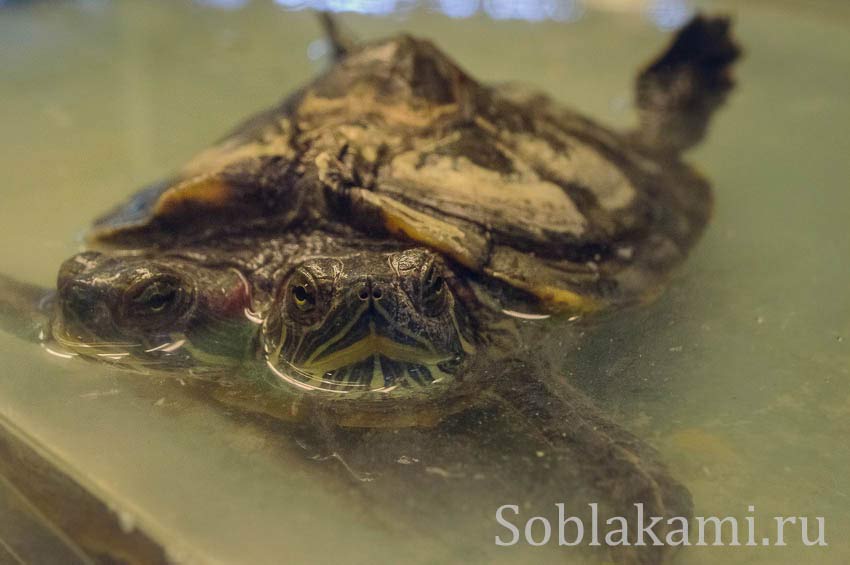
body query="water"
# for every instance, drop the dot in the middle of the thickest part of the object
(738, 374)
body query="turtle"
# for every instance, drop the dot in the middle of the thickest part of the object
(372, 249)
(396, 139)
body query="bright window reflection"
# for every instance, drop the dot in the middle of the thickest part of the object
(666, 14)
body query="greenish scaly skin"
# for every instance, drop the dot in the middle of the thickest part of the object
(363, 252)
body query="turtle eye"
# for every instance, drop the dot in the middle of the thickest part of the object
(303, 293)
(303, 297)
(433, 291)
(156, 300)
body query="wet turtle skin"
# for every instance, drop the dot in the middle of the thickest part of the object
(371, 246)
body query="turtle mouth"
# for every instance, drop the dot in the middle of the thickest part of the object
(374, 352)
(375, 373)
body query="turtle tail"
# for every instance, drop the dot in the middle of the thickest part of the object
(680, 90)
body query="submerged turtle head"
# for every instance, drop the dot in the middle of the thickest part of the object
(142, 310)
(368, 321)
(354, 319)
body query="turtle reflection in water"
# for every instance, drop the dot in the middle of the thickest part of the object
(368, 246)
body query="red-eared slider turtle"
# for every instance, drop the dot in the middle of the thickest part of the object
(369, 245)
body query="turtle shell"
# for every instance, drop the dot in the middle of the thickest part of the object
(395, 139)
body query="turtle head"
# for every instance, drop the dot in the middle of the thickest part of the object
(140, 310)
(368, 321)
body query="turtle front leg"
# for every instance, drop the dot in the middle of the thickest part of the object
(625, 470)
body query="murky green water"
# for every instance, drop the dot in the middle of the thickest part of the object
(740, 374)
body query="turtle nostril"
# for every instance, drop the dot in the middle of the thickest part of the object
(363, 294)
(377, 293)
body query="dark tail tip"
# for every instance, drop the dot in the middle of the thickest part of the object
(680, 89)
